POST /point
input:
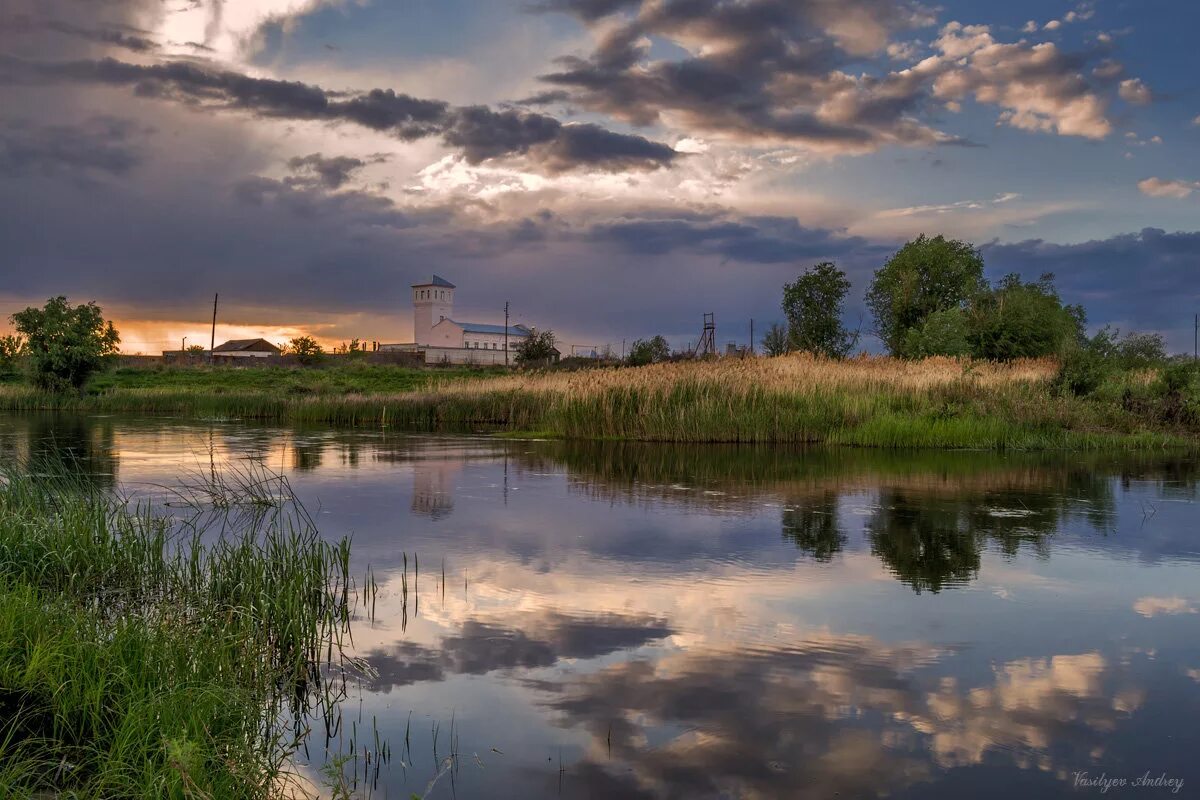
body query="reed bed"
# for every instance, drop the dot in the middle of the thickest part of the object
(867, 401)
(151, 656)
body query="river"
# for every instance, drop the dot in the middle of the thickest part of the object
(626, 621)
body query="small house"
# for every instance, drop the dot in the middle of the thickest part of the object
(239, 350)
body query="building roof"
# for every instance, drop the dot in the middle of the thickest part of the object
(476, 327)
(238, 345)
(436, 281)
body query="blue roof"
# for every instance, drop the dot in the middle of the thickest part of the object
(437, 281)
(475, 327)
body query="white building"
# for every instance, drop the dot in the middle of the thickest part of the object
(445, 339)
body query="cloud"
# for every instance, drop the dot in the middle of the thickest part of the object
(1039, 87)
(1163, 606)
(1159, 187)
(761, 240)
(788, 722)
(1133, 90)
(332, 172)
(770, 70)
(478, 132)
(133, 39)
(101, 145)
(791, 72)
(480, 647)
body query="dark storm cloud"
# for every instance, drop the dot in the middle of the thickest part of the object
(818, 73)
(478, 132)
(127, 40)
(1145, 280)
(482, 647)
(331, 172)
(762, 240)
(100, 145)
(767, 68)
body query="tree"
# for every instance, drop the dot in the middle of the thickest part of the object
(1022, 320)
(65, 344)
(306, 350)
(537, 348)
(195, 350)
(922, 277)
(813, 305)
(775, 340)
(648, 351)
(942, 333)
(12, 350)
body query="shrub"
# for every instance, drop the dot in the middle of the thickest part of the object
(65, 344)
(1022, 320)
(307, 350)
(537, 348)
(942, 333)
(649, 351)
(775, 340)
(12, 349)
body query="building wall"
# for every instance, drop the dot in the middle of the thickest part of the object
(431, 304)
(443, 334)
(464, 355)
(489, 341)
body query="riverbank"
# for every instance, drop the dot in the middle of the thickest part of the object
(869, 402)
(137, 662)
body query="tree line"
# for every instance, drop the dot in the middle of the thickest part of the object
(930, 298)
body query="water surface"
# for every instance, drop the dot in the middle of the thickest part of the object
(685, 622)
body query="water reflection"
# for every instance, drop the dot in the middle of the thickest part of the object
(613, 620)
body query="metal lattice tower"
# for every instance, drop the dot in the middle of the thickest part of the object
(708, 337)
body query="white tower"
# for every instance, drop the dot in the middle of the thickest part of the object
(433, 301)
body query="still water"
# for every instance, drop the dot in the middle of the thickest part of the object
(639, 621)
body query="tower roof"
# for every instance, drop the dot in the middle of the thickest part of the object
(436, 281)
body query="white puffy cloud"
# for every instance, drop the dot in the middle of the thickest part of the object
(1038, 86)
(1134, 90)
(1160, 187)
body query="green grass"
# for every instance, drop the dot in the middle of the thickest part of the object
(339, 379)
(864, 403)
(145, 657)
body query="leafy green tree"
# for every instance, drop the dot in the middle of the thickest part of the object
(306, 349)
(12, 350)
(537, 348)
(1142, 349)
(648, 351)
(1023, 320)
(942, 333)
(921, 278)
(65, 344)
(813, 306)
(775, 340)
(195, 350)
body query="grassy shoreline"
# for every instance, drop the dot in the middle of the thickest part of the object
(866, 402)
(141, 657)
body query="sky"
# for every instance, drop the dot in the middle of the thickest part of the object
(612, 168)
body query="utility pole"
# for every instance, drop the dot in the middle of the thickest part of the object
(506, 333)
(1196, 339)
(212, 343)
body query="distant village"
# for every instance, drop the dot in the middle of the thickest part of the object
(439, 338)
